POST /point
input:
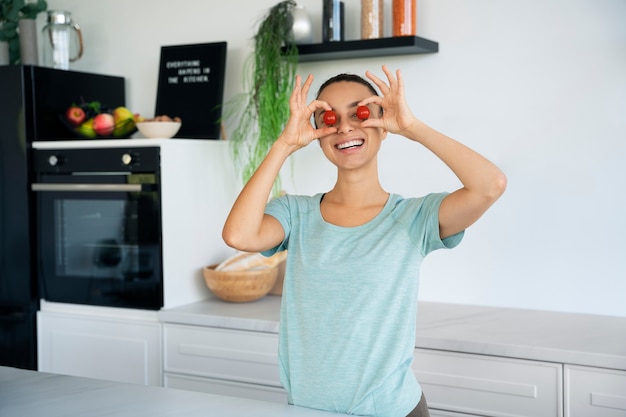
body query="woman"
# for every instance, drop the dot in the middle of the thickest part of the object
(347, 323)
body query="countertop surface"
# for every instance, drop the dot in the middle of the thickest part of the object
(37, 394)
(577, 339)
(123, 143)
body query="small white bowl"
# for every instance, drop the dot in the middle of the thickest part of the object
(158, 130)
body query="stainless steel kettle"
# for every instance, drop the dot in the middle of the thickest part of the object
(62, 40)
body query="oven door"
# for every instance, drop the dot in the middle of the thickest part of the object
(99, 240)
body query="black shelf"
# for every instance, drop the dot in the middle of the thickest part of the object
(364, 48)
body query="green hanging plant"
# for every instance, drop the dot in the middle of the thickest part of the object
(262, 109)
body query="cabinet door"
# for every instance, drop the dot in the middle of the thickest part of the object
(594, 392)
(223, 354)
(100, 347)
(489, 386)
(229, 388)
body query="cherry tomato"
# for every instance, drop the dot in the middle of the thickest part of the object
(330, 118)
(363, 112)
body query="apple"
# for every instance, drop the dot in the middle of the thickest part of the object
(75, 115)
(103, 124)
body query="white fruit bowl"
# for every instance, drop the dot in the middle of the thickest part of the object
(158, 130)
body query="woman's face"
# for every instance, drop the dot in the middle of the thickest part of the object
(351, 146)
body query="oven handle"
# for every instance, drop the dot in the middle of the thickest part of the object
(88, 187)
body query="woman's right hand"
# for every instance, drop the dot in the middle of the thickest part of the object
(299, 131)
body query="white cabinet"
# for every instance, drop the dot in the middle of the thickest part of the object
(113, 344)
(472, 361)
(594, 392)
(222, 361)
(489, 386)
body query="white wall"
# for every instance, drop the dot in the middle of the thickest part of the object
(537, 86)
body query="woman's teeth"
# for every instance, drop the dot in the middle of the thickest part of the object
(350, 144)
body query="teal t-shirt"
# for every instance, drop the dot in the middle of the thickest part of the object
(349, 304)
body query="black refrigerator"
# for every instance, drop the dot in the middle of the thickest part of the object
(31, 100)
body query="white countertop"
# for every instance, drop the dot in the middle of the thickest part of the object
(37, 394)
(577, 339)
(119, 143)
(258, 316)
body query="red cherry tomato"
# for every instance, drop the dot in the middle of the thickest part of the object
(363, 112)
(330, 118)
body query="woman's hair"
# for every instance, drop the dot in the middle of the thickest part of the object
(347, 77)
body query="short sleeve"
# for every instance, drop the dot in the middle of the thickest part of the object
(279, 209)
(424, 224)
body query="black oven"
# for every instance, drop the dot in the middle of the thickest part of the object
(99, 226)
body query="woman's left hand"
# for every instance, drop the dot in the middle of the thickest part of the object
(397, 116)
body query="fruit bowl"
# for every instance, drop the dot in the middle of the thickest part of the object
(158, 129)
(91, 120)
(83, 133)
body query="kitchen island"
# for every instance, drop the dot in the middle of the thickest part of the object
(580, 339)
(470, 360)
(37, 394)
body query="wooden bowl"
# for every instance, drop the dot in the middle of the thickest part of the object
(240, 286)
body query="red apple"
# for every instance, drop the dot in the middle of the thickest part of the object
(103, 124)
(75, 115)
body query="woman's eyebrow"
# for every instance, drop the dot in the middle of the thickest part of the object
(318, 113)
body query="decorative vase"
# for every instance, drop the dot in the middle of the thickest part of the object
(28, 41)
(302, 27)
(4, 53)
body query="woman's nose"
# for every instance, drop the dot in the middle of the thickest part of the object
(344, 125)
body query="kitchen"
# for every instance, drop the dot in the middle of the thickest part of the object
(537, 87)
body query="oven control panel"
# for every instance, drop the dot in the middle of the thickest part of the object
(96, 160)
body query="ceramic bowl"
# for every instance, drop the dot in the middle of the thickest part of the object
(240, 286)
(158, 130)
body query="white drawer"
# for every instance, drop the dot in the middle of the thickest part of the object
(228, 388)
(594, 392)
(223, 354)
(489, 386)
(440, 413)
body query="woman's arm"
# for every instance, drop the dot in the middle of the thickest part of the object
(483, 183)
(247, 227)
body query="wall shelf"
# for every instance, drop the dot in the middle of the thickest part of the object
(364, 48)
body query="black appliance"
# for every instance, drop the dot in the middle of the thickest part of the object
(99, 226)
(31, 100)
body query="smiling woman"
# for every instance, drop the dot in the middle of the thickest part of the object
(333, 288)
